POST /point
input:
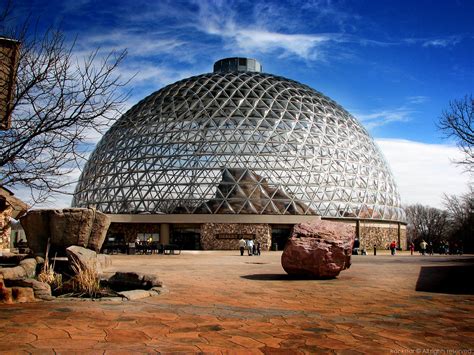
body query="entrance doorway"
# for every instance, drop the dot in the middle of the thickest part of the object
(188, 237)
(280, 234)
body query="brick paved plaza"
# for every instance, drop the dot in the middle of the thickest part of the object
(221, 302)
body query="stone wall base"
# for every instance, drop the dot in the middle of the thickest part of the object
(5, 230)
(382, 236)
(226, 236)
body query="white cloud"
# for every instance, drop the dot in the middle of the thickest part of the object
(383, 117)
(424, 172)
(56, 200)
(302, 45)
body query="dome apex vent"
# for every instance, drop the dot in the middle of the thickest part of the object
(237, 64)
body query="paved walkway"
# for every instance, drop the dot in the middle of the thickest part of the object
(222, 302)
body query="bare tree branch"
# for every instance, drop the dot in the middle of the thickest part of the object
(458, 122)
(59, 100)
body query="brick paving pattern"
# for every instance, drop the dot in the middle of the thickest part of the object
(222, 302)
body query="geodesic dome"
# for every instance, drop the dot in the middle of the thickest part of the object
(211, 143)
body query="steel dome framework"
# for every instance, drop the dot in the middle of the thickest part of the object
(169, 152)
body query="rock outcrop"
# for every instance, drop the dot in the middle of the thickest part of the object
(242, 191)
(321, 249)
(41, 290)
(26, 269)
(18, 286)
(85, 227)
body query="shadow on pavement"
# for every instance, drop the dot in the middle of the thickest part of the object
(280, 277)
(456, 279)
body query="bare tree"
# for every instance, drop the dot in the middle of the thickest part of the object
(426, 223)
(461, 217)
(458, 122)
(59, 99)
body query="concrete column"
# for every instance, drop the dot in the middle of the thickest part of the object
(164, 233)
(399, 234)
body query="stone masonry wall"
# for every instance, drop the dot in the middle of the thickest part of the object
(5, 229)
(381, 235)
(226, 236)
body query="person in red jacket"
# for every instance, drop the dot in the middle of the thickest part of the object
(393, 246)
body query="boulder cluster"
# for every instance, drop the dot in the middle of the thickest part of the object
(74, 237)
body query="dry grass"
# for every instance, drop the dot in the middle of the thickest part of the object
(49, 276)
(85, 282)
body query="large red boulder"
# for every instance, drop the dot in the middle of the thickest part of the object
(320, 249)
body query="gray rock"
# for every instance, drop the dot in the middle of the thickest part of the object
(85, 258)
(124, 281)
(13, 273)
(30, 267)
(320, 249)
(134, 294)
(159, 290)
(71, 226)
(36, 226)
(26, 269)
(99, 229)
(104, 260)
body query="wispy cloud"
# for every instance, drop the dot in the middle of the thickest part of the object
(440, 42)
(420, 99)
(383, 117)
(137, 43)
(274, 34)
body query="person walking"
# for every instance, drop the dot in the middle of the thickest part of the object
(412, 248)
(242, 245)
(393, 246)
(258, 248)
(423, 245)
(250, 246)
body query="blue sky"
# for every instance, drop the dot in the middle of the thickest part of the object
(395, 65)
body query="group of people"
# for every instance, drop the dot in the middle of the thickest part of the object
(253, 248)
(427, 248)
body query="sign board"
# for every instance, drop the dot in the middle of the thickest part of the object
(235, 236)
